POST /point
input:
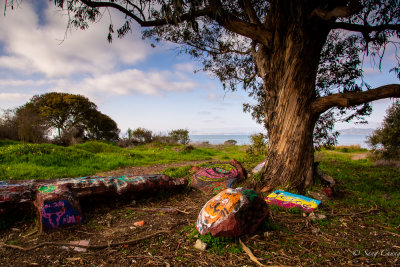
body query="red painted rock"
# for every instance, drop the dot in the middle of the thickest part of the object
(231, 213)
(216, 177)
(57, 206)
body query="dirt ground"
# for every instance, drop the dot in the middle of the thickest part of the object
(293, 240)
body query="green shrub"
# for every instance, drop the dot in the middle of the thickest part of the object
(386, 140)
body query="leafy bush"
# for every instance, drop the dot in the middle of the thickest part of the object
(259, 145)
(386, 140)
(230, 142)
(180, 135)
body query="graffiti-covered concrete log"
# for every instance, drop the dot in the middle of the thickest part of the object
(216, 177)
(57, 206)
(13, 192)
(95, 185)
(57, 201)
(231, 213)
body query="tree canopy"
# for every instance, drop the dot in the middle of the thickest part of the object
(72, 115)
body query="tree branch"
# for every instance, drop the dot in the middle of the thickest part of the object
(341, 11)
(364, 28)
(230, 22)
(322, 104)
(216, 51)
(160, 22)
(256, 32)
(251, 13)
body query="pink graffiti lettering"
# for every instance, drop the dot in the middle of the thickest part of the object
(50, 215)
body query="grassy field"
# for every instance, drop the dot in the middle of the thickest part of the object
(365, 185)
(20, 161)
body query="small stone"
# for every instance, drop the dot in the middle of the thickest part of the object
(200, 245)
(315, 217)
(315, 230)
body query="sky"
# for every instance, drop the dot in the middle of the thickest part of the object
(133, 83)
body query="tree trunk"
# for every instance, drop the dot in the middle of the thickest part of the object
(290, 158)
(289, 72)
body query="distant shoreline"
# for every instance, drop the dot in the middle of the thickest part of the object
(218, 139)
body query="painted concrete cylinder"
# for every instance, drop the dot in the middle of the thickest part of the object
(231, 213)
(57, 206)
(216, 177)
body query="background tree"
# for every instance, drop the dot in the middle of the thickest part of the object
(73, 116)
(31, 127)
(61, 110)
(180, 136)
(142, 135)
(9, 125)
(300, 59)
(386, 139)
(101, 127)
(22, 124)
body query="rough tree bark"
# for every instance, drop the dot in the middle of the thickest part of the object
(289, 73)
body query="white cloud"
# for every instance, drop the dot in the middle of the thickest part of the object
(212, 96)
(186, 67)
(14, 96)
(25, 83)
(33, 47)
(128, 82)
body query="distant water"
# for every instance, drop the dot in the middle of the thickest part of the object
(353, 139)
(220, 139)
(343, 139)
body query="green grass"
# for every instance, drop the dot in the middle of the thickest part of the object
(20, 161)
(216, 245)
(366, 185)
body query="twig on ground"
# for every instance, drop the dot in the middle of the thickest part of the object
(168, 210)
(372, 209)
(132, 241)
(248, 252)
(30, 234)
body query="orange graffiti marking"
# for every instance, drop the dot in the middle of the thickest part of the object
(221, 206)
